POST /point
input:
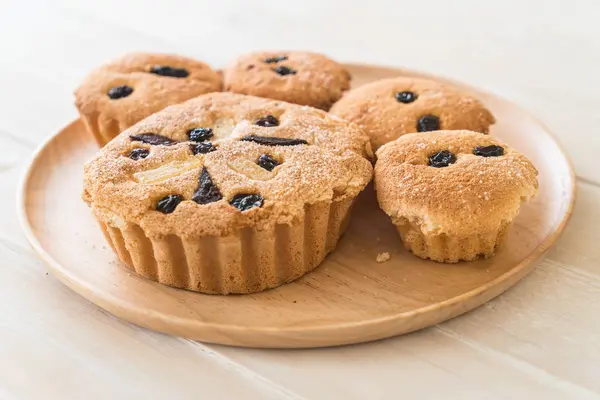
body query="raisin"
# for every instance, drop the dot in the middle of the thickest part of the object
(268, 122)
(119, 91)
(273, 141)
(406, 97)
(267, 162)
(442, 159)
(489, 151)
(283, 70)
(428, 123)
(172, 72)
(207, 191)
(276, 59)
(202, 148)
(244, 202)
(200, 134)
(168, 204)
(139, 154)
(153, 139)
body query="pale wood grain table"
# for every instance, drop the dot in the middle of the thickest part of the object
(540, 339)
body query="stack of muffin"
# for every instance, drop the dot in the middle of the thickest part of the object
(242, 181)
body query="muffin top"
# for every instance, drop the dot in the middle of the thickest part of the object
(224, 161)
(389, 108)
(297, 77)
(136, 85)
(452, 182)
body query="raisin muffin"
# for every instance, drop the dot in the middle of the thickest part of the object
(452, 194)
(227, 193)
(304, 78)
(126, 90)
(389, 108)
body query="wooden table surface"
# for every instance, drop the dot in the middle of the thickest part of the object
(540, 339)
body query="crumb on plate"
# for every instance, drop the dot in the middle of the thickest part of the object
(383, 257)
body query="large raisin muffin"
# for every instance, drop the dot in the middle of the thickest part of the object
(304, 78)
(452, 194)
(126, 90)
(227, 193)
(389, 108)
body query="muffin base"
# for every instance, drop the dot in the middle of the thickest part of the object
(451, 249)
(248, 261)
(102, 132)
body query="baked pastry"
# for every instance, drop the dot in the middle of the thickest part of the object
(126, 90)
(389, 108)
(227, 193)
(304, 78)
(452, 194)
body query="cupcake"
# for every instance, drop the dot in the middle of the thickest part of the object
(119, 94)
(304, 78)
(452, 194)
(389, 108)
(227, 193)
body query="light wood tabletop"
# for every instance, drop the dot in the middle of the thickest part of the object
(540, 339)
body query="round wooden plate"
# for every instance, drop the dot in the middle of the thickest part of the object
(350, 298)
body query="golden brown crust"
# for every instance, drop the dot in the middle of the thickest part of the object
(331, 167)
(473, 196)
(318, 82)
(105, 118)
(375, 108)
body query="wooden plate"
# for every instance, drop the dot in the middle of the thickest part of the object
(350, 298)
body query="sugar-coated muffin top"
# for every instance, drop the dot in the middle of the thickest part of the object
(304, 78)
(136, 85)
(225, 161)
(389, 108)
